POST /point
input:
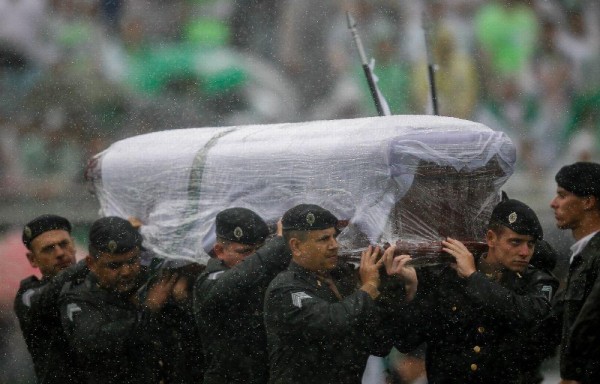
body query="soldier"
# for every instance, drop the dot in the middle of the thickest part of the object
(180, 349)
(577, 207)
(110, 329)
(320, 327)
(228, 297)
(474, 313)
(51, 249)
(542, 341)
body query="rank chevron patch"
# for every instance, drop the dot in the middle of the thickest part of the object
(297, 298)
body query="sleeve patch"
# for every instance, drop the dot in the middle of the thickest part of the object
(547, 289)
(297, 298)
(71, 309)
(215, 275)
(27, 297)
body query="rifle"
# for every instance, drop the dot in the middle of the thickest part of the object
(365, 65)
(430, 63)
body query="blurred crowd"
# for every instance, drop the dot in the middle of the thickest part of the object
(76, 75)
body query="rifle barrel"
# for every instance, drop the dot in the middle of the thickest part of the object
(365, 64)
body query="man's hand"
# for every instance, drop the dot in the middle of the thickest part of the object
(180, 289)
(465, 262)
(135, 222)
(396, 266)
(160, 291)
(369, 271)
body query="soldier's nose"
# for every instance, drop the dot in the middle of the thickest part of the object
(126, 270)
(59, 252)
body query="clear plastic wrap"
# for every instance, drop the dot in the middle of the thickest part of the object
(397, 179)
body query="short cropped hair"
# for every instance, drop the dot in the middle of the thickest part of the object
(289, 234)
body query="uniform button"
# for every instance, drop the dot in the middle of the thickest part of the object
(477, 349)
(480, 329)
(454, 308)
(473, 367)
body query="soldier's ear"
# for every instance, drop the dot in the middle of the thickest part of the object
(295, 246)
(90, 262)
(491, 237)
(590, 202)
(31, 258)
(218, 249)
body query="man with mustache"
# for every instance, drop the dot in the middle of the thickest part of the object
(322, 319)
(577, 207)
(112, 330)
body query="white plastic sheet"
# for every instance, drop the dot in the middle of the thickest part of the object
(410, 178)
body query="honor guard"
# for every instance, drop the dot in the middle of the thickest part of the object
(321, 317)
(228, 297)
(50, 248)
(474, 313)
(111, 329)
(577, 207)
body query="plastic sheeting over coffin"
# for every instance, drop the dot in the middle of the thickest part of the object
(410, 178)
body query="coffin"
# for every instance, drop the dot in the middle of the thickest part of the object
(406, 180)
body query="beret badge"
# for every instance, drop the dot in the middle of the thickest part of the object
(112, 246)
(27, 232)
(238, 233)
(310, 218)
(512, 217)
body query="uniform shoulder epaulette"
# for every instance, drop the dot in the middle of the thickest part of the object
(25, 283)
(66, 287)
(78, 284)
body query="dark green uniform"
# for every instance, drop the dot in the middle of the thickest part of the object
(180, 347)
(36, 306)
(177, 339)
(580, 301)
(313, 335)
(228, 305)
(180, 351)
(475, 327)
(112, 338)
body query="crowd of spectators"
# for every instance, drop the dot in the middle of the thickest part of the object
(77, 75)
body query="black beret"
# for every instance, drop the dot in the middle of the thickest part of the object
(43, 224)
(518, 217)
(114, 235)
(581, 178)
(241, 225)
(308, 217)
